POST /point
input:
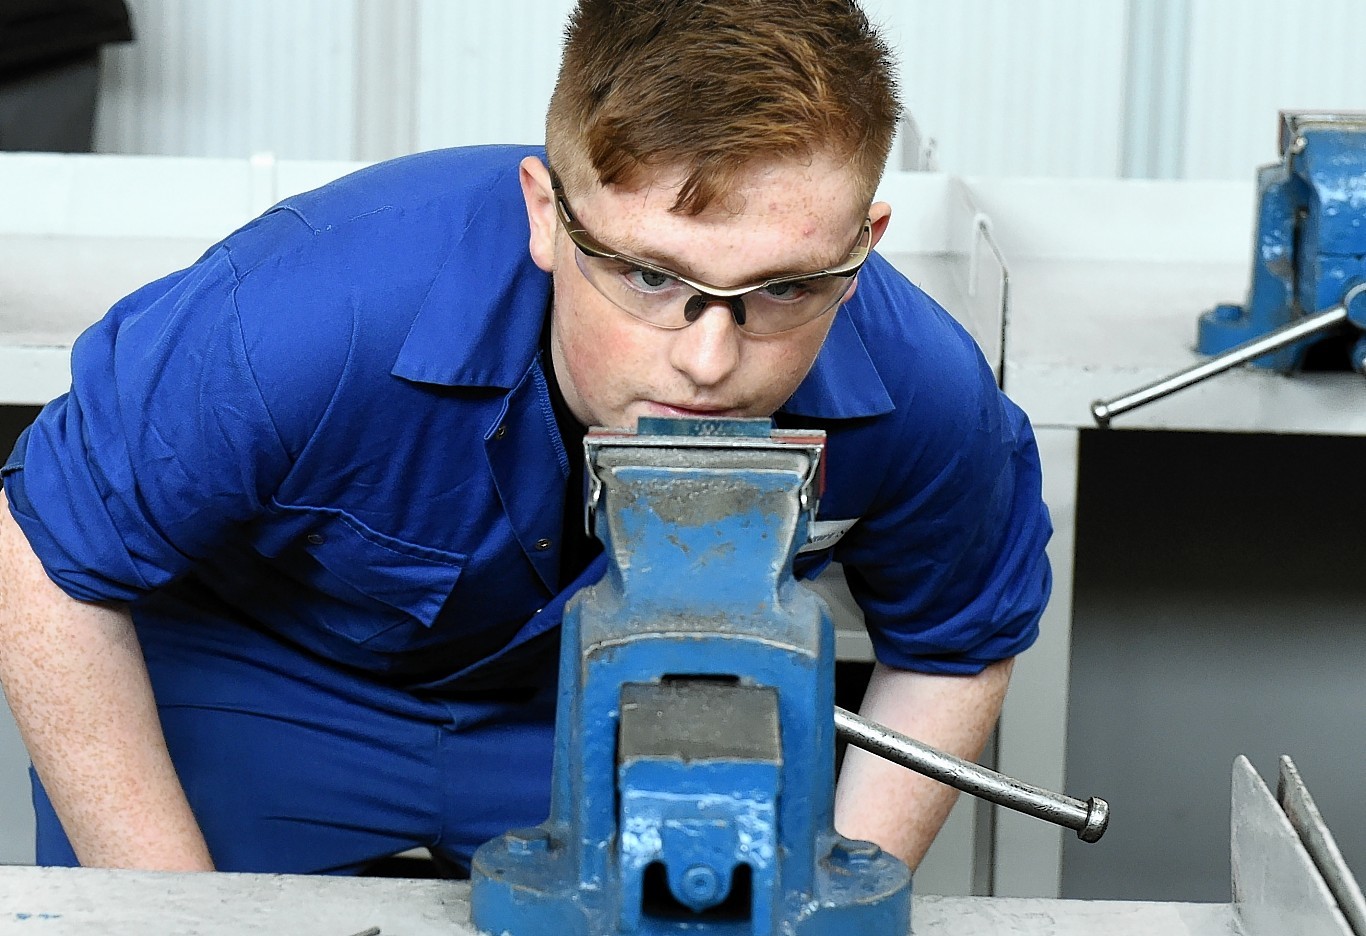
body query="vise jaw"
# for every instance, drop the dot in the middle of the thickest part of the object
(694, 761)
(1310, 246)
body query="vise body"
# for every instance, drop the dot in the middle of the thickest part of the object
(694, 761)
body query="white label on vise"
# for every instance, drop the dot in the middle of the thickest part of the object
(822, 534)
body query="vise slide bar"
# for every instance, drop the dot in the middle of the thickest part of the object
(1088, 819)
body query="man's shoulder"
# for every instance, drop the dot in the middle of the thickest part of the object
(938, 395)
(386, 218)
(362, 253)
(934, 370)
(330, 283)
(446, 186)
(894, 357)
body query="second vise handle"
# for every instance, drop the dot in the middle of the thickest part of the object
(1088, 818)
(1105, 410)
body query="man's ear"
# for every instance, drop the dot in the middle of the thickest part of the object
(881, 215)
(540, 211)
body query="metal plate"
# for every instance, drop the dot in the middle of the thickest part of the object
(1319, 842)
(1277, 891)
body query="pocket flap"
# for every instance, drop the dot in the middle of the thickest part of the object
(350, 556)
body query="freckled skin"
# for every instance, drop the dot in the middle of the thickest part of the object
(614, 368)
(74, 677)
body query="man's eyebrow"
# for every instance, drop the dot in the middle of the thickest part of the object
(632, 249)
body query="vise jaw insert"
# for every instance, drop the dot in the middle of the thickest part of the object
(694, 761)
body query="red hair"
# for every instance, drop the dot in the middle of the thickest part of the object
(712, 87)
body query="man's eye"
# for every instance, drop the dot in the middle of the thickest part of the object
(789, 291)
(649, 280)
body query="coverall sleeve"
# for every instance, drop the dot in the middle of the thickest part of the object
(161, 448)
(949, 566)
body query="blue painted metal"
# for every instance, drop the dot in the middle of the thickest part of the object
(1310, 244)
(694, 763)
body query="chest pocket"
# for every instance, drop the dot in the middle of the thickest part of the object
(362, 582)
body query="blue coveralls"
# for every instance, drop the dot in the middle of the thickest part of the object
(323, 467)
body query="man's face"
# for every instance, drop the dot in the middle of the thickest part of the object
(612, 368)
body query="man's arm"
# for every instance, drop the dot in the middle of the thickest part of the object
(75, 679)
(898, 808)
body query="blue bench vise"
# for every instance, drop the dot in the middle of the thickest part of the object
(694, 767)
(1310, 245)
(1308, 262)
(694, 762)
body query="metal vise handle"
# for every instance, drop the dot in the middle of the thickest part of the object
(1105, 410)
(1088, 818)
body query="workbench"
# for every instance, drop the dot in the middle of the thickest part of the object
(1181, 661)
(1287, 881)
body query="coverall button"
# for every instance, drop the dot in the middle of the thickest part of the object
(316, 539)
(500, 432)
(543, 544)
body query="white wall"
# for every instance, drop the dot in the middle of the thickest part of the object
(1012, 88)
(208, 78)
(487, 70)
(1250, 57)
(1099, 88)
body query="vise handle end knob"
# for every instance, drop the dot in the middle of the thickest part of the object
(1097, 820)
(1100, 412)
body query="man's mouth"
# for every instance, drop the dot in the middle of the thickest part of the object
(674, 409)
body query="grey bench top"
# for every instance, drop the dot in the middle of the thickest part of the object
(85, 902)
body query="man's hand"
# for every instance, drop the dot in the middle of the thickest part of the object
(75, 679)
(898, 808)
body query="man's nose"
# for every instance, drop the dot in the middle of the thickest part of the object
(708, 350)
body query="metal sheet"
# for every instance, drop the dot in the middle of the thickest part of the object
(1277, 891)
(1304, 816)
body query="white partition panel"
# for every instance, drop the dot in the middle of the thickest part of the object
(1033, 87)
(1072, 88)
(1019, 88)
(208, 78)
(487, 70)
(1251, 58)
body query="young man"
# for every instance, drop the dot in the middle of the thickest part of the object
(326, 482)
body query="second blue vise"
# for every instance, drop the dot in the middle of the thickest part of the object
(1310, 246)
